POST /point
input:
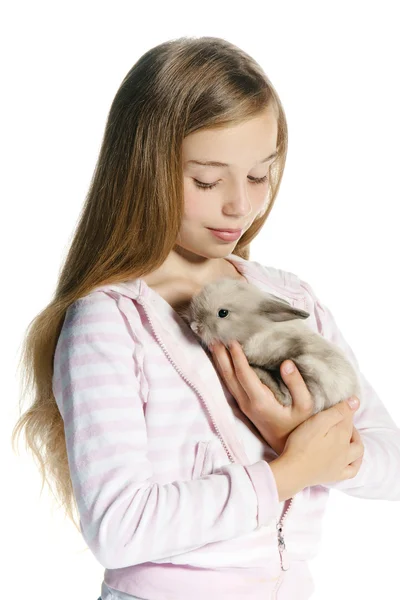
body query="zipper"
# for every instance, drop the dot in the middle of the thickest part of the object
(285, 565)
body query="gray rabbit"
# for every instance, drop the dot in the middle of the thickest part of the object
(269, 331)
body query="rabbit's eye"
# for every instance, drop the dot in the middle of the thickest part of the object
(223, 312)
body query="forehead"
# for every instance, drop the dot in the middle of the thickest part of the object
(244, 145)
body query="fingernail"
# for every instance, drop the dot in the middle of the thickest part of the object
(353, 402)
(289, 367)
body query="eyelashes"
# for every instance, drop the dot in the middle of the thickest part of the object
(209, 186)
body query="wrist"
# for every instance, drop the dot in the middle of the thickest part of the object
(286, 477)
(277, 444)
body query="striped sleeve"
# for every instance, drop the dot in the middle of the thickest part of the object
(378, 476)
(126, 518)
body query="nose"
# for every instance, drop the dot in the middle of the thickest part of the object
(238, 203)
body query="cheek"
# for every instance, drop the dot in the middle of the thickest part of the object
(261, 200)
(197, 204)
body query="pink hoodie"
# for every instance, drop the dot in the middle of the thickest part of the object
(175, 494)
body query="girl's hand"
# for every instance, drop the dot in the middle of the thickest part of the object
(274, 421)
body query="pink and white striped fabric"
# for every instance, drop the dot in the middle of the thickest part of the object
(175, 494)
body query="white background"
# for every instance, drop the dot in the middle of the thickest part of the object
(335, 66)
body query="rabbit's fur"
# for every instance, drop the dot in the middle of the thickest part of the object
(270, 331)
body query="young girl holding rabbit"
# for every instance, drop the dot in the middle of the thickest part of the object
(190, 480)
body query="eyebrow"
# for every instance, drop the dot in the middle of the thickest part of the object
(213, 163)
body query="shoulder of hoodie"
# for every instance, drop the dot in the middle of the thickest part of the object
(287, 282)
(288, 285)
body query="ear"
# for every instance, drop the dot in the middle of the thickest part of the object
(278, 309)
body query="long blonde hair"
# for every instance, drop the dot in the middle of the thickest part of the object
(132, 213)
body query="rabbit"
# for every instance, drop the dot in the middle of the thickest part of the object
(269, 332)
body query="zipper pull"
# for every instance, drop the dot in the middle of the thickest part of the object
(285, 564)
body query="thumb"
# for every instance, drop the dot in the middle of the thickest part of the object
(337, 412)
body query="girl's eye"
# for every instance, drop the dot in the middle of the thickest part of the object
(209, 186)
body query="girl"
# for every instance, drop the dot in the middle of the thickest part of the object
(189, 479)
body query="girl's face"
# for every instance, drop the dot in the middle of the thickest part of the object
(237, 192)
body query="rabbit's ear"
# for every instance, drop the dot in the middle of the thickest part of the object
(278, 309)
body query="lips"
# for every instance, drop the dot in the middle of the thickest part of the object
(227, 236)
(227, 230)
